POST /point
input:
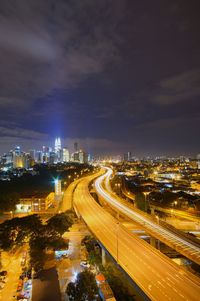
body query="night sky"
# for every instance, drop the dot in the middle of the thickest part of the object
(114, 75)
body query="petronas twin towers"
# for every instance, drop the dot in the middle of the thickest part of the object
(57, 144)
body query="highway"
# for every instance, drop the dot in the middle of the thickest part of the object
(184, 247)
(66, 203)
(154, 273)
(178, 213)
(171, 211)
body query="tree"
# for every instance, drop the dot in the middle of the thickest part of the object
(140, 201)
(71, 291)
(8, 201)
(84, 288)
(60, 222)
(17, 230)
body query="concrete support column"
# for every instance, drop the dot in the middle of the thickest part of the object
(152, 241)
(158, 244)
(117, 215)
(152, 211)
(103, 256)
(77, 213)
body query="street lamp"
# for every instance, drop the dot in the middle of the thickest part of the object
(158, 220)
(117, 239)
(146, 193)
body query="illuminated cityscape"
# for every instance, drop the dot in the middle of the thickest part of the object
(99, 150)
(18, 159)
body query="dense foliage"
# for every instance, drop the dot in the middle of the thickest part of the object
(84, 288)
(40, 236)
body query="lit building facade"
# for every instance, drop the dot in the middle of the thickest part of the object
(65, 154)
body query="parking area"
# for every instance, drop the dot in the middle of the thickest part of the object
(15, 279)
(68, 266)
(46, 286)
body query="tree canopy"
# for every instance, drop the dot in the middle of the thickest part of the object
(84, 288)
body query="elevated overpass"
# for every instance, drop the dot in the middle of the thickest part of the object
(181, 245)
(158, 277)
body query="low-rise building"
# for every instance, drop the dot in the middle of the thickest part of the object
(35, 203)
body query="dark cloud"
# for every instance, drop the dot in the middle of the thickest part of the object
(47, 45)
(104, 72)
(184, 86)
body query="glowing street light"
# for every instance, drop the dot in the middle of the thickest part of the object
(146, 193)
(117, 238)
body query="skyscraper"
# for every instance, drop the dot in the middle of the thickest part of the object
(75, 146)
(58, 150)
(17, 150)
(57, 144)
(65, 155)
(83, 157)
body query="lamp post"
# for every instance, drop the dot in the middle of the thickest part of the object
(117, 240)
(158, 220)
(146, 193)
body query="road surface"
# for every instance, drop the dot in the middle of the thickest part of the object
(153, 272)
(181, 245)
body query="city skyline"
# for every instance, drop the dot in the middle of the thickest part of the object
(114, 76)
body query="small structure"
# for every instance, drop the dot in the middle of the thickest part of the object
(35, 203)
(105, 291)
(58, 190)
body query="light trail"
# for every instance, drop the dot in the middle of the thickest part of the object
(181, 245)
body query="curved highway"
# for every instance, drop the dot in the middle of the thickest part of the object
(182, 246)
(154, 273)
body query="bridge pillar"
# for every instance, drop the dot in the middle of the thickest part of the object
(77, 213)
(152, 211)
(103, 256)
(152, 241)
(158, 244)
(117, 215)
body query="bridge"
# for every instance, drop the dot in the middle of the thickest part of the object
(187, 248)
(157, 276)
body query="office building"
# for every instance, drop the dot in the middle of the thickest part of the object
(65, 154)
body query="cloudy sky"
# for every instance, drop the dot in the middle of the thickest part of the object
(114, 75)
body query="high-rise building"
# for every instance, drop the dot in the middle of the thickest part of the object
(65, 154)
(129, 156)
(39, 158)
(75, 157)
(75, 147)
(17, 150)
(32, 154)
(198, 161)
(83, 157)
(58, 149)
(52, 158)
(57, 144)
(21, 161)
